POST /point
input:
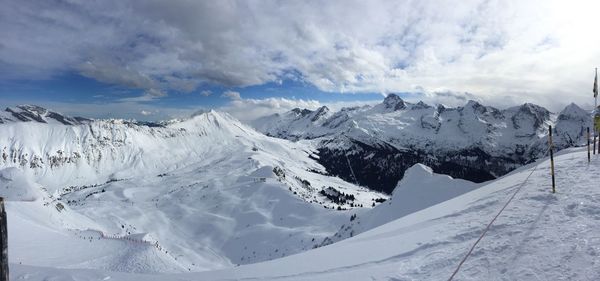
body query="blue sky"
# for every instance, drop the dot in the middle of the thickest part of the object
(160, 59)
(72, 90)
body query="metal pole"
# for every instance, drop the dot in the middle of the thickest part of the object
(551, 159)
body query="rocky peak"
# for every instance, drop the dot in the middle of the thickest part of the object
(476, 106)
(421, 105)
(529, 110)
(394, 102)
(34, 113)
(319, 113)
(573, 111)
(301, 112)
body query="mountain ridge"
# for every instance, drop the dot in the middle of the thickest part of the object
(459, 141)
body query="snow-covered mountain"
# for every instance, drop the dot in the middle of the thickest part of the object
(33, 113)
(88, 199)
(374, 145)
(539, 236)
(204, 193)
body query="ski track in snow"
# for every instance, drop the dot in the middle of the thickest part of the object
(540, 236)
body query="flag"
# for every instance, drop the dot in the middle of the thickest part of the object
(596, 84)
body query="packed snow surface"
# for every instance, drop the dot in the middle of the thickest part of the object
(540, 236)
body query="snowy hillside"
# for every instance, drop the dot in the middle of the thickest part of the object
(473, 142)
(420, 188)
(540, 236)
(189, 195)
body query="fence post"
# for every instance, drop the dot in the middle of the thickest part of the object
(551, 159)
(594, 146)
(588, 143)
(3, 243)
(598, 142)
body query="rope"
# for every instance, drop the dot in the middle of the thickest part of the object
(494, 219)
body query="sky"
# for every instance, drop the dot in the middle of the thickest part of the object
(153, 60)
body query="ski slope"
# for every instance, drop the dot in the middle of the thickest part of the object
(540, 236)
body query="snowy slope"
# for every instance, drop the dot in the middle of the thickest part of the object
(197, 194)
(420, 188)
(540, 236)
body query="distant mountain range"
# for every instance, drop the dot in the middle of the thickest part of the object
(28, 113)
(374, 145)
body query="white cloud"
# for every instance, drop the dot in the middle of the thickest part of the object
(206, 93)
(248, 110)
(149, 95)
(233, 95)
(145, 112)
(529, 50)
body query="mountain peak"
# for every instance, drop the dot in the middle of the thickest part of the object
(573, 111)
(320, 112)
(301, 112)
(473, 103)
(535, 110)
(421, 105)
(393, 101)
(29, 113)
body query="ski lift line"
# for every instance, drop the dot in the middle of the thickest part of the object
(489, 225)
(351, 170)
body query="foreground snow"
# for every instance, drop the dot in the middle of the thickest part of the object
(540, 236)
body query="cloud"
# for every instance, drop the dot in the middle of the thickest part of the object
(145, 112)
(533, 50)
(231, 95)
(148, 96)
(248, 110)
(206, 93)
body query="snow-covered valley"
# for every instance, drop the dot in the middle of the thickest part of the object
(540, 236)
(200, 194)
(210, 198)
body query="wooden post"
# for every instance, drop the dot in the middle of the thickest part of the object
(598, 146)
(594, 148)
(550, 146)
(588, 143)
(3, 243)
